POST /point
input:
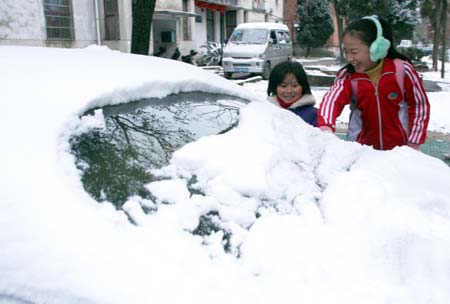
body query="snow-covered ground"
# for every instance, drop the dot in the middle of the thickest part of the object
(311, 218)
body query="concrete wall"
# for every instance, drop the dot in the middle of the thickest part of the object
(175, 5)
(84, 22)
(272, 10)
(275, 10)
(23, 23)
(125, 23)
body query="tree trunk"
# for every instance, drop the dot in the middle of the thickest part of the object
(443, 37)
(340, 24)
(142, 11)
(437, 31)
(340, 16)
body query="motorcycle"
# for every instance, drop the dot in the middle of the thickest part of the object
(210, 54)
(189, 58)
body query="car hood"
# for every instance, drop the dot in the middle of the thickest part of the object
(244, 50)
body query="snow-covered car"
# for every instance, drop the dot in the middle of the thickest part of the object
(115, 158)
(135, 179)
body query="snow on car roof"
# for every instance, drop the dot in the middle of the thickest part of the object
(268, 25)
(130, 78)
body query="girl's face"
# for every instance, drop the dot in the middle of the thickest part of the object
(357, 53)
(289, 90)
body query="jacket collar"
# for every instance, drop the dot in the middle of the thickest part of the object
(305, 100)
(388, 67)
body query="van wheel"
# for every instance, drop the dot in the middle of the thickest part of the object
(266, 71)
(228, 75)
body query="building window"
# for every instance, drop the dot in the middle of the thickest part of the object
(210, 25)
(198, 14)
(185, 22)
(230, 22)
(58, 19)
(111, 20)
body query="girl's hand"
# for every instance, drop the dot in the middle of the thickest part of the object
(326, 129)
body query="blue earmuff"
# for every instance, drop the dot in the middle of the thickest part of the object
(380, 46)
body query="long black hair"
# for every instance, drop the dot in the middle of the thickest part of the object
(366, 30)
(281, 70)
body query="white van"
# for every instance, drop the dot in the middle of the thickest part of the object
(256, 48)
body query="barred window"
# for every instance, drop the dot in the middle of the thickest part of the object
(209, 25)
(58, 19)
(112, 31)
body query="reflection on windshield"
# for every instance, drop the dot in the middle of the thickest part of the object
(139, 136)
(249, 36)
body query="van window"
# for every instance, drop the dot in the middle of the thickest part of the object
(281, 37)
(288, 37)
(249, 36)
(273, 36)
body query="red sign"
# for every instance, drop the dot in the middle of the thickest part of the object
(211, 6)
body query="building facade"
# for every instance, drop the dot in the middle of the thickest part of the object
(186, 24)
(66, 23)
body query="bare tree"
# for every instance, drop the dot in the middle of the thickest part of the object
(142, 11)
(340, 11)
(444, 7)
(436, 31)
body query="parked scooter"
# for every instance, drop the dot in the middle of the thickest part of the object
(162, 50)
(189, 58)
(210, 54)
(176, 54)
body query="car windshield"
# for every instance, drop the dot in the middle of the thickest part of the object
(115, 160)
(249, 36)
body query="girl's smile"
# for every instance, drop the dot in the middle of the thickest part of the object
(289, 90)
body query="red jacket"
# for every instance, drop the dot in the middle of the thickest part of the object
(389, 117)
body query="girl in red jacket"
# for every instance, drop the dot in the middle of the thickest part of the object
(390, 107)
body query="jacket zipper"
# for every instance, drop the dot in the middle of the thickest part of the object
(404, 135)
(380, 128)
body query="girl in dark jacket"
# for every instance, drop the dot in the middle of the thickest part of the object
(289, 88)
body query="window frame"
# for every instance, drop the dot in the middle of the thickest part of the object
(60, 13)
